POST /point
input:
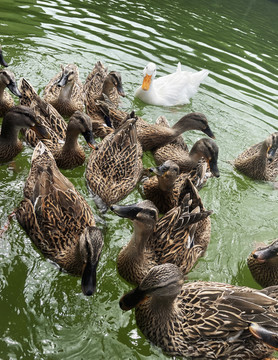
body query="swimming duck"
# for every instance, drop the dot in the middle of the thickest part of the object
(263, 264)
(152, 136)
(46, 113)
(260, 161)
(7, 79)
(2, 60)
(98, 85)
(15, 119)
(172, 238)
(200, 162)
(63, 137)
(65, 91)
(204, 320)
(115, 168)
(169, 90)
(70, 154)
(167, 188)
(59, 221)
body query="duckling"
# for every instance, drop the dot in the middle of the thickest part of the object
(204, 320)
(46, 113)
(170, 90)
(263, 264)
(59, 221)
(260, 161)
(2, 60)
(15, 119)
(65, 91)
(173, 238)
(7, 79)
(115, 168)
(202, 157)
(152, 136)
(100, 84)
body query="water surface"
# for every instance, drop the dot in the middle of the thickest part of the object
(43, 312)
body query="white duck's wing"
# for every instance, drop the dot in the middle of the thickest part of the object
(179, 87)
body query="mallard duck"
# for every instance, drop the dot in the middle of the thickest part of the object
(7, 79)
(167, 188)
(204, 320)
(65, 91)
(98, 85)
(15, 119)
(152, 136)
(59, 221)
(70, 154)
(46, 113)
(260, 161)
(202, 157)
(115, 168)
(172, 238)
(2, 60)
(169, 90)
(263, 264)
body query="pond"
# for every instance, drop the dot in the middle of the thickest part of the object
(44, 314)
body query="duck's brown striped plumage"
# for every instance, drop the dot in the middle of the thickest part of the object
(204, 320)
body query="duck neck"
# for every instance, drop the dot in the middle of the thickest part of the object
(2, 88)
(71, 142)
(106, 88)
(139, 239)
(66, 91)
(9, 132)
(163, 306)
(266, 274)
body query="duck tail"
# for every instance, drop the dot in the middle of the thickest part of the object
(268, 337)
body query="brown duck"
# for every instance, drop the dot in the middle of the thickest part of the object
(175, 238)
(260, 161)
(263, 264)
(59, 221)
(7, 80)
(15, 119)
(152, 136)
(65, 91)
(115, 168)
(100, 85)
(204, 320)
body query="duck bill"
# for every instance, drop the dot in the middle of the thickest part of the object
(2, 60)
(263, 255)
(89, 279)
(40, 131)
(208, 132)
(146, 82)
(88, 136)
(271, 153)
(14, 89)
(63, 81)
(214, 168)
(132, 299)
(120, 90)
(126, 211)
(159, 170)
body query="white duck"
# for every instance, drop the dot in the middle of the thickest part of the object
(169, 90)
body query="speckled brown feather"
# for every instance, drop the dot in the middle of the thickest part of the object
(65, 101)
(53, 213)
(206, 320)
(115, 168)
(253, 162)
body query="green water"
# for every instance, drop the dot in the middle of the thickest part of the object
(43, 312)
